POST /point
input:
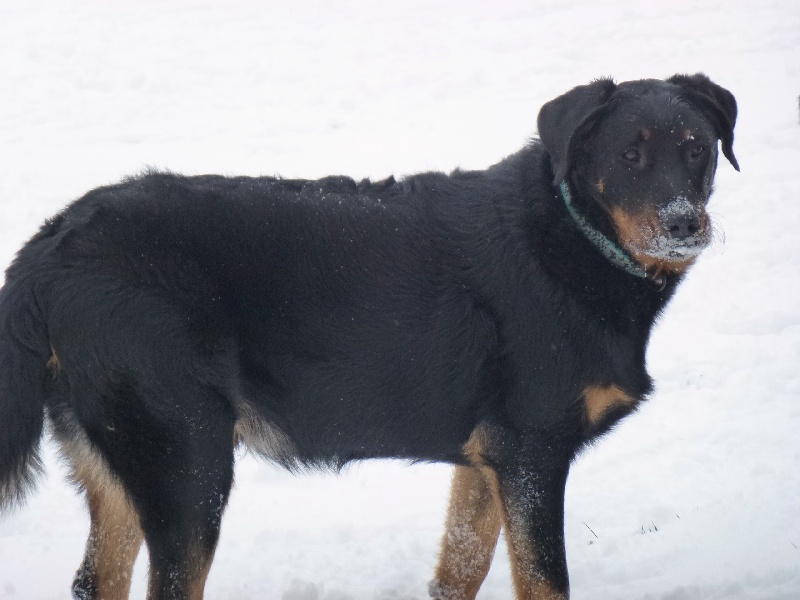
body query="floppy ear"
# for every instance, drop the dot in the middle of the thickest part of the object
(559, 119)
(717, 103)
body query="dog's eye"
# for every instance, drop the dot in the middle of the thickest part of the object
(632, 155)
(697, 150)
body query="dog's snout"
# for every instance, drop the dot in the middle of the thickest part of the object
(681, 219)
(682, 226)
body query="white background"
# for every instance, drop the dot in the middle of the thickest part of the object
(697, 496)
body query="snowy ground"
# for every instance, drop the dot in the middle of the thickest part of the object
(698, 496)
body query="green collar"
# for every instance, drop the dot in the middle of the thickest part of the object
(607, 248)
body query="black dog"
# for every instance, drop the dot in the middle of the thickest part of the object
(496, 320)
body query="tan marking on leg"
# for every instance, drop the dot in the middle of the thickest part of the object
(475, 448)
(470, 537)
(474, 518)
(115, 536)
(54, 363)
(471, 529)
(200, 567)
(528, 583)
(598, 400)
(187, 580)
(530, 586)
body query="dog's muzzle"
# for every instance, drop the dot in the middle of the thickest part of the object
(684, 232)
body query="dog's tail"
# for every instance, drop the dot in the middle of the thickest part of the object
(24, 352)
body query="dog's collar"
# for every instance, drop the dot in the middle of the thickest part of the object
(616, 255)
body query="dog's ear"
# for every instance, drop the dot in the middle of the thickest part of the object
(717, 103)
(560, 119)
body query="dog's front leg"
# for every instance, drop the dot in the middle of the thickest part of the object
(531, 490)
(470, 536)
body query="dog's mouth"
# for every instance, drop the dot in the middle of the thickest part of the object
(671, 249)
(669, 239)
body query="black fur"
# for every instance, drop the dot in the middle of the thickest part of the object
(357, 320)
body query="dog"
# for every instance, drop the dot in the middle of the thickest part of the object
(496, 320)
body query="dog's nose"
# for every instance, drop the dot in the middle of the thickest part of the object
(680, 219)
(680, 227)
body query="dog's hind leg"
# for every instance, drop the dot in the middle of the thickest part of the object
(179, 473)
(159, 467)
(114, 537)
(149, 385)
(471, 532)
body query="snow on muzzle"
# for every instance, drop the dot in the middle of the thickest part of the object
(675, 233)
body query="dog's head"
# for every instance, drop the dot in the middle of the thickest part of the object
(644, 152)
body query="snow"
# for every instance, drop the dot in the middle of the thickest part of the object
(697, 496)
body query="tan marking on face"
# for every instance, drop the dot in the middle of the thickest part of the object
(598, 400)
(601, 186)
(645, 134)
(115, 535)
(688, 134)
(637, 232)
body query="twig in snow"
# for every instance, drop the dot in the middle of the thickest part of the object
(595, 535)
